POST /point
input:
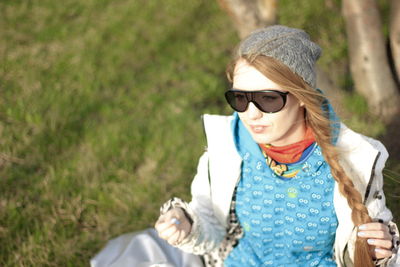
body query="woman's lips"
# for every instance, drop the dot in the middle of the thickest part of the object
(258, 128)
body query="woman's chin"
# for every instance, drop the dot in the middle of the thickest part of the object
(261, 138)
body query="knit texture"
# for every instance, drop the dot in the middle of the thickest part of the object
(290, 46)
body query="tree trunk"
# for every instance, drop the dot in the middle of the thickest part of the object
(395, 34)
(368, 59)
(249, 15)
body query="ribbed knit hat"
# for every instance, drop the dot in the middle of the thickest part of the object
(290, 46)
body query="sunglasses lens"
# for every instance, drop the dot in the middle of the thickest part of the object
(237, 100)
(266, 101)
(269, 101)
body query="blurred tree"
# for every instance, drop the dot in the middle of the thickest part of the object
(369, 62)
(249, 15)
(395, 34)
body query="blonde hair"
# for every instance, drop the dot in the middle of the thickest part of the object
(318, 120)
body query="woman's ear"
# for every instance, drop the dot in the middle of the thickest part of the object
(302, 104)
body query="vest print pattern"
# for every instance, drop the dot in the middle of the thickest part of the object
(286, 222)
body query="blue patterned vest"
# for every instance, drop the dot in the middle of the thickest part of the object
(286, 222)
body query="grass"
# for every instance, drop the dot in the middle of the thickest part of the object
(100, 105)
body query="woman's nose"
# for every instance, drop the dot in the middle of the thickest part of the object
(253, 112)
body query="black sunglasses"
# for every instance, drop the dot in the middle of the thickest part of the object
(268, 101)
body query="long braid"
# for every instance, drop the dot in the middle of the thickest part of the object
(321, 125)
(359, 212)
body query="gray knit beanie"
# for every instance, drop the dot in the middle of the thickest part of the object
(290, 46)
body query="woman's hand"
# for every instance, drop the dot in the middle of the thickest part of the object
(378, 237)
(173, 226)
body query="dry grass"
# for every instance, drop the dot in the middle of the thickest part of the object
(100, 105)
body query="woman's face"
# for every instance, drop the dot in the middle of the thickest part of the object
(284, 127)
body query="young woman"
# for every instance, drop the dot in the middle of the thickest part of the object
(283, 182)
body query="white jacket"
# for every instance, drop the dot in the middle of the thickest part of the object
(219, 169)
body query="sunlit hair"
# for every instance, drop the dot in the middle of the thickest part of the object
(318, 120)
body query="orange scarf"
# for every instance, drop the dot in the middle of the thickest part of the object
(290, 153)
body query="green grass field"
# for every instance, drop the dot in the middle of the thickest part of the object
(100, 105)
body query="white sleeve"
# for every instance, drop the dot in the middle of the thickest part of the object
(376, 205)
(207, 232)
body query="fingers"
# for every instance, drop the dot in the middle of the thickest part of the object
(162, 224)
(171, 217)
(379, 253)
(173, 226)
(375, 234)
(380, 243)
(378, 237)
(375, 231)
(172, 234)
(166, 228)
(168, 232)
(374, 226)
(174, 238)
